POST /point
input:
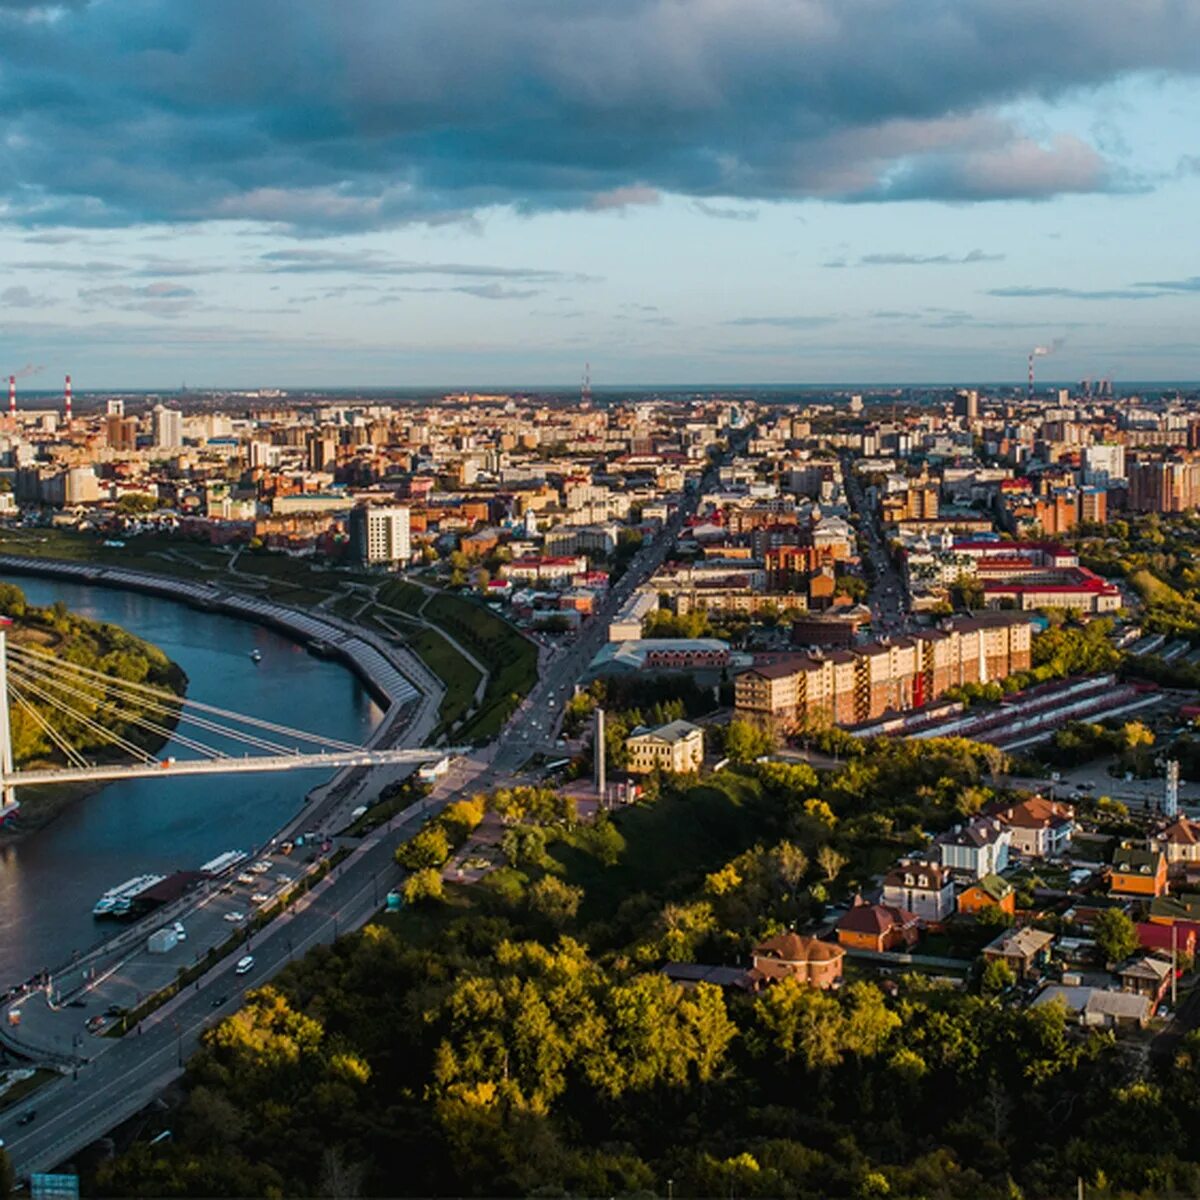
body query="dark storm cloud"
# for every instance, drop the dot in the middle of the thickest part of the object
(325, 117)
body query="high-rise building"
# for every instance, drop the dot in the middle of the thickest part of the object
(1103, 463)
(120, 432)
(168, 428)
(966, 404)
(381, 534)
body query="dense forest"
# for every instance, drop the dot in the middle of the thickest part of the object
(517, 1037)
(95, 646)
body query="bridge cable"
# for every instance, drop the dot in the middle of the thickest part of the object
(164, 695)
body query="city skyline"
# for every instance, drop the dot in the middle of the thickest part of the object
(441, 195)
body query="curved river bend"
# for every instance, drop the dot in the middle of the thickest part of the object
(50, 880)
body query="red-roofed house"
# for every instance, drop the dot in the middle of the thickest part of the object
(1041, 828)
(805, 959)
(878, 927)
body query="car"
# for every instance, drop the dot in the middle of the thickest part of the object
(78, 1002)
(114, 1010)
(180, 932)
(283, 877)
(260, 898)
(261, 867)
(219, 1000)
(245, 877)
(245, 965)
(1164, 1010)
(27, 1118)
(94, 1024)
(235, 917)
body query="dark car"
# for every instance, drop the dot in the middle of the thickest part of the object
(77, 1003)
(27, 1117)
(114, 1010)
(219, 1001)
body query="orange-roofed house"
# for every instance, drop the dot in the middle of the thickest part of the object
(1180, 842)
(878, 927)
(1040, 828)
(805, 959)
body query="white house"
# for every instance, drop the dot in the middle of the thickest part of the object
(924, 888)
(978, 848)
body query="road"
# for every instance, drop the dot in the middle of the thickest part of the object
(889, 597)
(126, 1074)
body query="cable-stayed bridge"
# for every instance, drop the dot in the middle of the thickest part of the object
(64, 701)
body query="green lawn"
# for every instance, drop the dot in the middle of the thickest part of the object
(459, 676)
(510, 658)
(407, 597)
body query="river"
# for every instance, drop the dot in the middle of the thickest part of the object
(50, 880)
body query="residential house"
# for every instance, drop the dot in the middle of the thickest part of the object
(989, 892)
(1178, 938)
(924, 888)
(1098, 1006)
(805, 959)
(1026, 950)
(1180, 842)
(1040, 828)
(878, 927)
(978, 848)
(677, 748)
(1138, 871)
(1147, 976)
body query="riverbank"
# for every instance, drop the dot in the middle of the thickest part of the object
(65, 636)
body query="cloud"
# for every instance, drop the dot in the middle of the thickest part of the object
(724, 212)
(154, 299)
(181, 111)
(1191, 284)
(783, 322)
(926, 260)
(21, 297)
(1023, 292)
(369, 262)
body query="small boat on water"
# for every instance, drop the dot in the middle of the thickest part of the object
(256, 656)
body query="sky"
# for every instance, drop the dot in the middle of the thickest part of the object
(478, 193)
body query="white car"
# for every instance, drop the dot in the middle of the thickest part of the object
(260, 898)
(245, 877)
(261, 867)
(235, 918)
(180, 932)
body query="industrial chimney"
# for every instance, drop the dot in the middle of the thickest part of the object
(12, 397)
(67, 401)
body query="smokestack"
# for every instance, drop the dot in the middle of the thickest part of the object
(1031, 355)
(12, 397)
(67, 400)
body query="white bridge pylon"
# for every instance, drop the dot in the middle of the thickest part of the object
(62, 698)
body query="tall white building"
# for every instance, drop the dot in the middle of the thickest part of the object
(382, 534)
(168, 428)
(1103, 463)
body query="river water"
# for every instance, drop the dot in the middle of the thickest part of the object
(50, 880)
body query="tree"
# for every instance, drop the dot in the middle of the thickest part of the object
(1115, 935)
(553, 900)
(430, 848)
(830, 862)
(997, 975)
(744, 742)
(422, 886)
